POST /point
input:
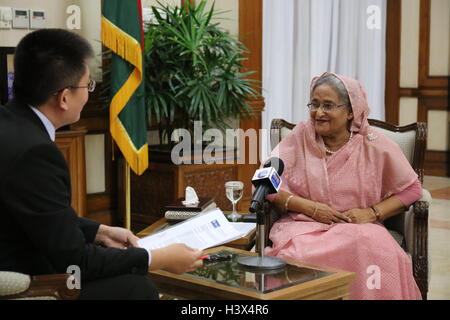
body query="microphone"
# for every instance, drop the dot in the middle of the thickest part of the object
(266, 181)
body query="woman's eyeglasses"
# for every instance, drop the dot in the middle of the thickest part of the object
(327, 107)
(90, 87)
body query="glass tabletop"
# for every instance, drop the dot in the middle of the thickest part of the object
(232, 274)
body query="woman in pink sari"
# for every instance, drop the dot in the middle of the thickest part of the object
(341, 179)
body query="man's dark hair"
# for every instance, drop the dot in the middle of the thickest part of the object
(46, 61)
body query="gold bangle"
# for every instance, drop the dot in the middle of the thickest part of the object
(286, 203)
(315, 210)
(376, 212)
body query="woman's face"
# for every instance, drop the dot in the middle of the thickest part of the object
(331, 122)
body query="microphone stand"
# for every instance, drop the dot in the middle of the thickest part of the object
(261, 262)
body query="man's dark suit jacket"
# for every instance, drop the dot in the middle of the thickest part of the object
(39, 231)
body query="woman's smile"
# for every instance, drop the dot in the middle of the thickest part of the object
(321, 121)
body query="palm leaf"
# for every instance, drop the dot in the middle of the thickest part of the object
(192, 68)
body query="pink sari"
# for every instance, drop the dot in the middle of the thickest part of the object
(367, 170)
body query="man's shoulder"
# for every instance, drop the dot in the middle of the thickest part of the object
(17, 135)
(16, 128)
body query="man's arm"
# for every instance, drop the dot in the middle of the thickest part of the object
(89, 228)
(37, 194)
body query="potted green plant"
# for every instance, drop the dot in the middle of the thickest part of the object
(193, 70)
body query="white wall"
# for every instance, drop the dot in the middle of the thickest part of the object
(148, 3)
(57, 18)
(229, 19)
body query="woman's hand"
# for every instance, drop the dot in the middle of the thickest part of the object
(115, 237)
(327, 215)
(360, 215)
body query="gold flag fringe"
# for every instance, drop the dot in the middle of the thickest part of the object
(129, 49)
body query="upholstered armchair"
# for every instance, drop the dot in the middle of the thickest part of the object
(409, 229)
(14, 285)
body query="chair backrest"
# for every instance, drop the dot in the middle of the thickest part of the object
(411, 138)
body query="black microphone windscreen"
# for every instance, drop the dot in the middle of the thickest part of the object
(276, 163)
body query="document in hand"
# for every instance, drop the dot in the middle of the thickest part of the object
(206, 230)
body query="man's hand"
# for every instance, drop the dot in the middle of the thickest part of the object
(360, 215)
(115, 237)
(176, 258)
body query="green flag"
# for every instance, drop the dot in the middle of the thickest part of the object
(122, 34)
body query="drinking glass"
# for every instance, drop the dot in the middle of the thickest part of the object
(234, 190)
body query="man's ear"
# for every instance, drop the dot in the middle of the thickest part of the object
(61, 100)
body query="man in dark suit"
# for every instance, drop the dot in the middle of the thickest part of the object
(39, 231)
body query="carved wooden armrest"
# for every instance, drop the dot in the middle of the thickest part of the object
(420, 246)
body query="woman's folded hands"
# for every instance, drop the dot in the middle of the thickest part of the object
(325, 214)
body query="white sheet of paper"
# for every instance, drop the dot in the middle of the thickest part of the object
(200, 232)
(244, 227)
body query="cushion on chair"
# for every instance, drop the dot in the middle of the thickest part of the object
(409, 229)
(405, 140)
(285, 132)
(13, 283)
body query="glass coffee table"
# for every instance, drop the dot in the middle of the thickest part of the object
(229, 280)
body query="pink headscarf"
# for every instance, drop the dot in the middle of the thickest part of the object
(366, 170)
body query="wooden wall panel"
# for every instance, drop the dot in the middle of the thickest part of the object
(432, 93)
(250, 33)
(71, 144)
(392, 86)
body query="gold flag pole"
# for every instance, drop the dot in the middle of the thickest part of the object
(127, 196)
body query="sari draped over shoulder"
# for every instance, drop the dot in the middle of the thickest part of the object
(365, 171)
